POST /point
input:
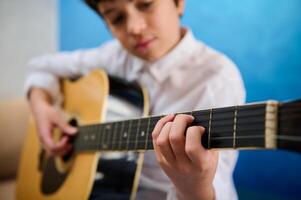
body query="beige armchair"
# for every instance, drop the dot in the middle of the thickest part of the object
(14, 116)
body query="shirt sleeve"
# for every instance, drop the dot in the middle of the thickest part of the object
(45, 71)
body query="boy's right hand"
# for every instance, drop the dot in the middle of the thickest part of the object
(47, 117)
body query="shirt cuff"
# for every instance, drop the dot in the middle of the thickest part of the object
(46, 81)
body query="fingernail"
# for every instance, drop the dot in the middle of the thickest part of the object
(171, 115)
(72, 130)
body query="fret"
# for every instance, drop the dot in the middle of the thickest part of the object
(100, 136)
(201, 118)
(93, 129)
(250, 122)
(147, 134)
(103, 137)
(142, 134)
(87, 138)
(108, 141)
(132, 135)
(152, 124)
(83, 137)
(78, 140)
(114, 142)
(96, 136)
(125, 135)
(209, 130)
(120, 136)
(224, 131)
(137, 134)
(92, 137)
(234, 128)
(129, 135)
(104, 144)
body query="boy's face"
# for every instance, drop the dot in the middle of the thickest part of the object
(146, 28)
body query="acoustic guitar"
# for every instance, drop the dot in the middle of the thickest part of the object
(107, 157)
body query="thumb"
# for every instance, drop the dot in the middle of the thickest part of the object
(65, 127)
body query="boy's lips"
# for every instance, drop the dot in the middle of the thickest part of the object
(143, 44)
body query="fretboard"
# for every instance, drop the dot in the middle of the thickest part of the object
(230, 127)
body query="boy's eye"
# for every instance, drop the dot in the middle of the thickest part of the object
(118, 19)
(145, 5)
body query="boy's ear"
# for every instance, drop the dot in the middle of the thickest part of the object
(181, 7)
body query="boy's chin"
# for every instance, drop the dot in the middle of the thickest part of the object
(145, 56)
(149, 56)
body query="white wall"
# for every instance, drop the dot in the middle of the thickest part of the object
(27, 28)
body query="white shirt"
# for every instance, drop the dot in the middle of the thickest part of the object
(191, 76)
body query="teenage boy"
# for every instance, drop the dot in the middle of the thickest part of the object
(180, 74)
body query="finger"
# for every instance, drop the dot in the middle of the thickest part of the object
(64, 126)
(177, 136)
(163, 144)
(193, 147)
(61, 145)
(160, 125)
(46, 139)
(158, 153)
(66, 150)
(156, 133)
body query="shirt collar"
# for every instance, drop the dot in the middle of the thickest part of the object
(174, 59)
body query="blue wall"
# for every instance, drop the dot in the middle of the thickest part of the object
(263, 37)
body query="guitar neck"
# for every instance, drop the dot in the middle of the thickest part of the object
(248, 126)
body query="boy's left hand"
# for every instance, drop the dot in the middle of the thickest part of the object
(188, 164)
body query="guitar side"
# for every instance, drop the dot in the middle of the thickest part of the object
(85, 100)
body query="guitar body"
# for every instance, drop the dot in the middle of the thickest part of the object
(72, 177)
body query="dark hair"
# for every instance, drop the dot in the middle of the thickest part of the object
(93, 4)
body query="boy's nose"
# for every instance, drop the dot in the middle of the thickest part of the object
(136, 24)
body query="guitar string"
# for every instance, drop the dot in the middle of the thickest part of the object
(138, 141)
(279, 137)
(154, 120)
(286, 138)
(216, 133)
(214, 138)
(282, 118)
(197, 114)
